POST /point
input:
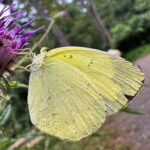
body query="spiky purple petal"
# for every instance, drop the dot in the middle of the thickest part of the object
(11, 40)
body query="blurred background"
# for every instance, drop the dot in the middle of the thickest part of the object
(101, 24)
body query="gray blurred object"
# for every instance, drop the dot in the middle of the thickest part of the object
(115, 52)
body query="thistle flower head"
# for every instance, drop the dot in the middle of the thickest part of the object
(64, 13)
(11, 39)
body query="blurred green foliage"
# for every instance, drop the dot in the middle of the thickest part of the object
(138, 52)
(128, 23)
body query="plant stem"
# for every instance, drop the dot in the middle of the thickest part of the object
(43, 37)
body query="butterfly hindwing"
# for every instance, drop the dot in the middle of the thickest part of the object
(63, 101)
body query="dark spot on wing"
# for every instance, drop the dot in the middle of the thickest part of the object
(88, 108)
(90, 63)
(53, 114)
(70, 56)
(68, 90)
(49, 98)
(88, 84)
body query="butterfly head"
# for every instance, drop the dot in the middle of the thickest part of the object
(38, 60)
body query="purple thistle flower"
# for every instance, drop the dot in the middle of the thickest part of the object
(11, 39)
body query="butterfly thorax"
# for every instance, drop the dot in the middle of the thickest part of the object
(38, 61)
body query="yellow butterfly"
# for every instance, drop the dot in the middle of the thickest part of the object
(73, 89)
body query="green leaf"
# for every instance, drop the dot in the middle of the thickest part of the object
(4, 142)
(132, 111)
(5, 115)
(15, 84)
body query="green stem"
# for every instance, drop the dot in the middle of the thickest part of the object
(43, 37)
